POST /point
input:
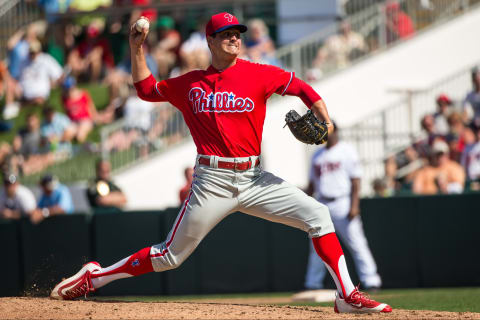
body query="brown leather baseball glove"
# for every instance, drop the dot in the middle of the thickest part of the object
(307, 128)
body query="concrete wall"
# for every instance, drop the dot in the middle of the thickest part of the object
(351, 95)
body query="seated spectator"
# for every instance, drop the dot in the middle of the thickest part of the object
(471, 104)
(441, 175)
(381, 189)
(471, 162)
(92, 57)
(39, 75)
(28, 142)
(338, 51)
(459, 136)
(16, 200)
(195, 49)
(260, 47)
(118, 79)
(102, 192)
(18, 58)
(399, 25)
(166, 50)
(424, 143)
(183, 193)
(57, 131)
(55, 199)
(443, 111)
(81, 109)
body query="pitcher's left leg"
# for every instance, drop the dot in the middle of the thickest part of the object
(274, 199)
(271, 198)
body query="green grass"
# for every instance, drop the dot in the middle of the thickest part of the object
(98, 93)
(438, 299)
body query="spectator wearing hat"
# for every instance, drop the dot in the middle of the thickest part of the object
(16, 200)
(39, 76)
(471, 104)
(441, 175)
(444, 104)
(55, 199)
(102, 192)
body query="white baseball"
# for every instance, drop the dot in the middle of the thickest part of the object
(142, 23)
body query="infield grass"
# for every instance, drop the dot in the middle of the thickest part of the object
(438, 299)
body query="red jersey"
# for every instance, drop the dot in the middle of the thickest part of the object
(224, 110)
(78, 109)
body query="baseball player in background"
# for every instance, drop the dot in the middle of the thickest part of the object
(335, 181)
(224, 108)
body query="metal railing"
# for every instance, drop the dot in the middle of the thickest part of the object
(397, 126)
(15, 14)
(140, 136)
(370, 23)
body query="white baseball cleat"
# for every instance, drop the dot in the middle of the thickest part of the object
(358, 302)
(76, 286)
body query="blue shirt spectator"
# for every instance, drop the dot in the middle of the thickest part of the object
(55, 197)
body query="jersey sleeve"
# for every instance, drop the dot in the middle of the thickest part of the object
(170, 90)
(276, 80)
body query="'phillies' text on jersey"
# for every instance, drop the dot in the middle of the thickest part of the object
(218, 102)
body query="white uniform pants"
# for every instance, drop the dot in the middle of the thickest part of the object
(215, 193)
(352, 235)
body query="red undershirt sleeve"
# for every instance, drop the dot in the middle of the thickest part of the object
(304, 91)
(147, 89)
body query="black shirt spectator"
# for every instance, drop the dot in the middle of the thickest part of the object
(102, 192)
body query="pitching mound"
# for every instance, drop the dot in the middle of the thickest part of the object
(44, 308)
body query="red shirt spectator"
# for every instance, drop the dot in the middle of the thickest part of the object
(77, 107)
(399, 24)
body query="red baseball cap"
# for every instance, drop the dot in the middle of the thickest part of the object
(444, 98)
(222, 21)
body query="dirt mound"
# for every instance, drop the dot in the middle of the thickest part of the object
(44, 308)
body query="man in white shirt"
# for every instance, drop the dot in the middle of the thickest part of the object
(16, 200)
(39, 75)
(335, 181)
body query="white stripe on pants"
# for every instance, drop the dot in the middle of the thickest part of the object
(216, 193)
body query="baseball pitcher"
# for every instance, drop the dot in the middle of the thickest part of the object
(224, 108)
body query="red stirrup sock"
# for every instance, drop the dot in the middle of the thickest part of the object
(329, 249)
(134, 265)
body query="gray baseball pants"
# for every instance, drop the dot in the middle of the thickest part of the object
(216, 193)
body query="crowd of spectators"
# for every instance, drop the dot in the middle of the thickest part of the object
(446, 159)
(17, 200)
(70, 52)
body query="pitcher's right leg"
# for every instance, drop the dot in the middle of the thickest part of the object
(204, 208)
